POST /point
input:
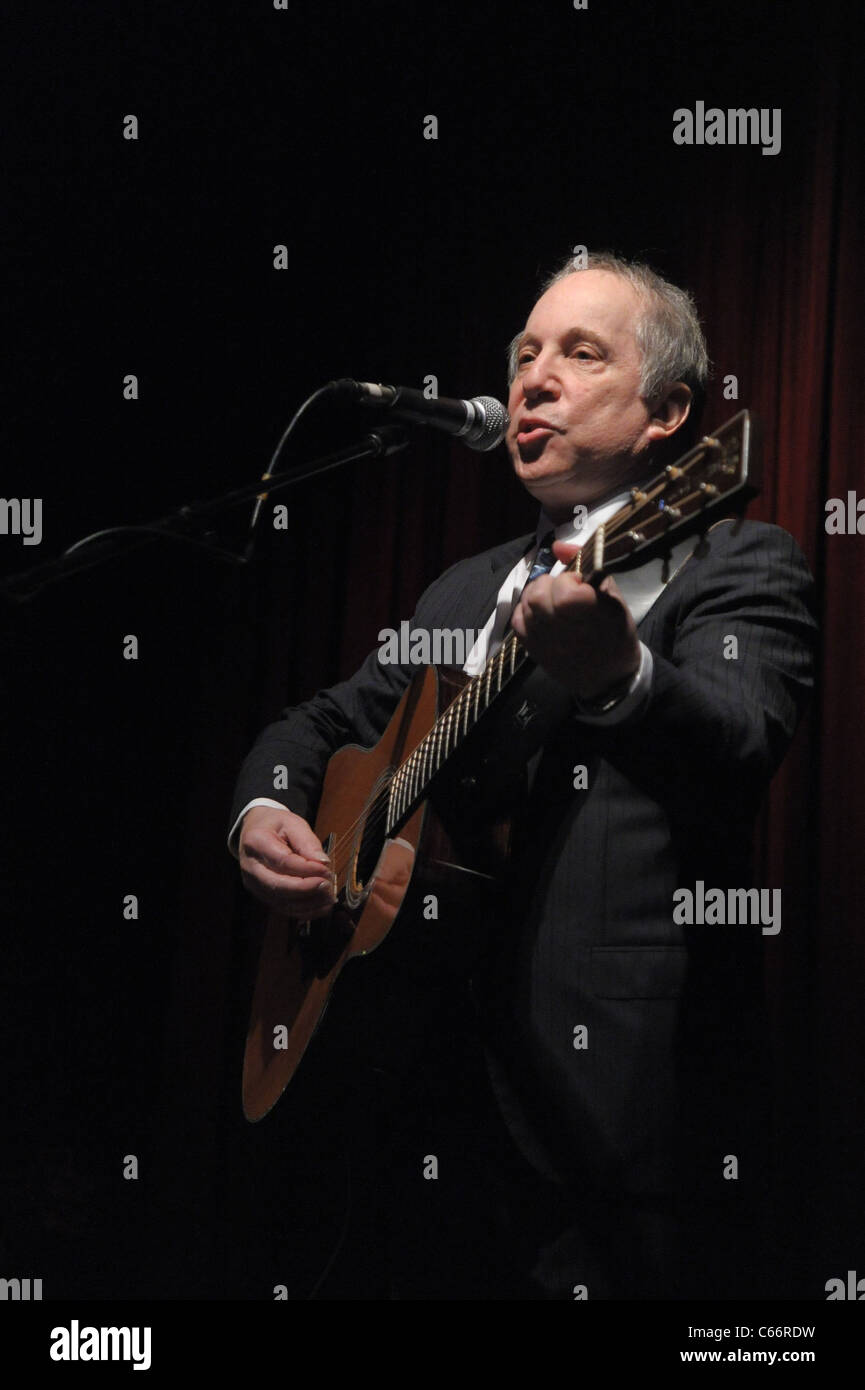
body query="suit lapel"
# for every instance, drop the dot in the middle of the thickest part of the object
(476, 587)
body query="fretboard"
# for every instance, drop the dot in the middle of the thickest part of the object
(410, 783)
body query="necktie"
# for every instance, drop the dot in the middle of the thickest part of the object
(544, 560)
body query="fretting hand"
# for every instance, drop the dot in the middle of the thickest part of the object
(584, 637)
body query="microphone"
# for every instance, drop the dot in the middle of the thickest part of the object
(481, 423)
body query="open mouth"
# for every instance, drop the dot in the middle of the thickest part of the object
(529, 432)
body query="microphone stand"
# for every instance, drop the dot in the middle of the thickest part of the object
(185, 524)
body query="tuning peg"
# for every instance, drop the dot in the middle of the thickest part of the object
(674, 513)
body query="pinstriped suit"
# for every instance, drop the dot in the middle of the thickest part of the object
(663, 1088)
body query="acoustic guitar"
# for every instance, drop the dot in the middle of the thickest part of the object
(429, 807)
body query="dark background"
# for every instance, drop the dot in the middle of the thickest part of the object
(406, 257)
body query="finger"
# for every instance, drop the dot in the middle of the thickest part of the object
(287, 884)
(565, 551)
(549, 598)
(269, 849)
(610, 587)
(294, 833)
(535, 597)
(303, 839)
(569, 593)
(528, 616)
(528, 613)
(610, 594)
(283, 861)
(295, 894)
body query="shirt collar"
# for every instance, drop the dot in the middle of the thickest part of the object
(575, 534)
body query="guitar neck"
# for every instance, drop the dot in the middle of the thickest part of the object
(410, 783)
(679, 495)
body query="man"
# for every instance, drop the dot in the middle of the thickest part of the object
(625, 1048)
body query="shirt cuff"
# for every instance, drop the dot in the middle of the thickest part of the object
(634, 697)
(234, 833)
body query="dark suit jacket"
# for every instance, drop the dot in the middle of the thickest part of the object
(670, 1078)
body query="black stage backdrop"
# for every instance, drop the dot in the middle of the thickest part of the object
(260, 126)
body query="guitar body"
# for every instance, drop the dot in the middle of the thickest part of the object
(300, 961)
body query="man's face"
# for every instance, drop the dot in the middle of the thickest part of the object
(578, 427)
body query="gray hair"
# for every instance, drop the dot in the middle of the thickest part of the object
(668, 330)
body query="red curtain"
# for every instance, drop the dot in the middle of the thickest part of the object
(782, 289)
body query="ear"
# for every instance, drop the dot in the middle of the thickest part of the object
(670, 413)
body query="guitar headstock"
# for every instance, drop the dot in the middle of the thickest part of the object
(719, 465)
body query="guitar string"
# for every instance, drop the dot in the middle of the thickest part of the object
(378, 809)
